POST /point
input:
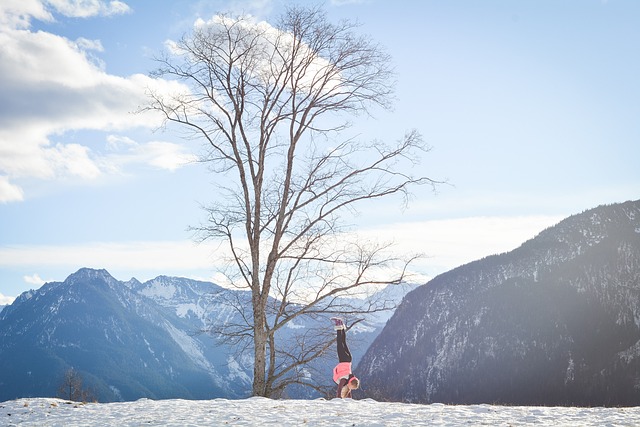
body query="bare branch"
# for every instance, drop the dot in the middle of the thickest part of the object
(272, 104)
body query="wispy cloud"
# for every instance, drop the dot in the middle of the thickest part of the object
(446, 244)
(169, 255)
(34, 279)
(88, 8)
(160, 154)
(258, 8)
(346, 2)
(140, 259)
(9, 192)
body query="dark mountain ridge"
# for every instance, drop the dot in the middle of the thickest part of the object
(554, 322)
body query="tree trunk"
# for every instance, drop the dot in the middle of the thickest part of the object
(259, 348)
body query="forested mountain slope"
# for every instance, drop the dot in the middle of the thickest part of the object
(554, 322)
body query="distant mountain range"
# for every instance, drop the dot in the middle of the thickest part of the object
(130, 340)
(553, 322)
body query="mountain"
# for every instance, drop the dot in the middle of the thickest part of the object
(553, 322)
(129, 340)
(123, 345)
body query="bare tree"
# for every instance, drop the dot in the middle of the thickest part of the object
(273, 103)
(72, 388)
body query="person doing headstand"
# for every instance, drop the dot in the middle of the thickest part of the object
(342, 374)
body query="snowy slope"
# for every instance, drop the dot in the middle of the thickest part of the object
(337, 412)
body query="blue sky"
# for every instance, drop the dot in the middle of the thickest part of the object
(531, 107)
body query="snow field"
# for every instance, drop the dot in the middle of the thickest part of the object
(257, 411)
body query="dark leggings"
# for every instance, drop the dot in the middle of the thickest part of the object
(344, 355)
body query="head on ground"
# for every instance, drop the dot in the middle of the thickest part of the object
(353, 383)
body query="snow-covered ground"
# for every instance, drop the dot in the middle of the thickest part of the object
(337, 412)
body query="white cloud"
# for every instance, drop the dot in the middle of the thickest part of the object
(34, 280)
(143, 260)
(447, 244)
(87, 44)
(160, 154)
(149, 255)
(117, 142)
(9, 192)
(72, 159)
(165, 155)
(18, 13)
(51, 85)
(260, 8)
(5, 300)
(312, 72)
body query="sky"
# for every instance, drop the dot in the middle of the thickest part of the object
(531, 109)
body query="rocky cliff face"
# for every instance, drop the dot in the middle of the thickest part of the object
(554, 322)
